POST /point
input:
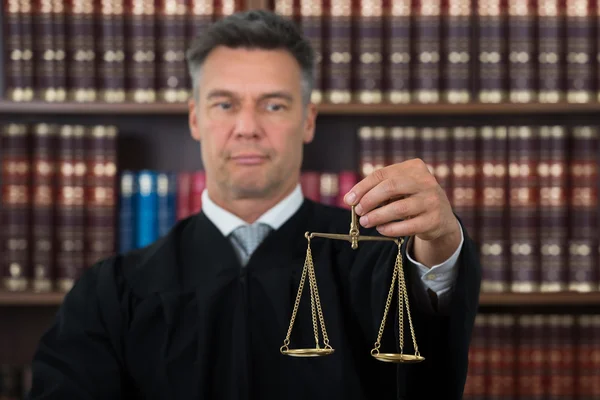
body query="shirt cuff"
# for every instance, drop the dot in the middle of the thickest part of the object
(439, 278)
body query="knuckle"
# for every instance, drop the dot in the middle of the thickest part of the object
(400, 208)
(379, 175)
(389, 187)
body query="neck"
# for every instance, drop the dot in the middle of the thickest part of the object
(249, 208)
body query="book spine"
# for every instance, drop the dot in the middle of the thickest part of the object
(172, 72)
(166, 207)
(532, 357)
(457, 42)
(491, 62)
(202, 13)
(58, 90)
(146, 205)
(521, 50)
(580, 44)
(551, 40)
(141, 51)
(330, 188)
(464, 177)
(338, 66)
(184, 186)
(493, 185)
(524, 217)
(198, 186)
(14, 84)
(397, 45)
(554, 221)
(442, 149)
(368, 61)
(81, 52)
(70, 211)
(100, 194)
(310, 182)
(111, 52)
(560, 371)
(43, 51)
(426, 59)
(502, 357)
(475, 386)
(346, 180)
(583, 210)
(27, 49)
(367, 150)
(311, 21)
(127, 211)
(43, 196)
(15, 264)
(427, 151)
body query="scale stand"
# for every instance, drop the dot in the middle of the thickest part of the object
(317, 313)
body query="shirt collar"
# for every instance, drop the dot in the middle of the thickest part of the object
(227, 222)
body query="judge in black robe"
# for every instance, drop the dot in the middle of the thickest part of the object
(182, 319)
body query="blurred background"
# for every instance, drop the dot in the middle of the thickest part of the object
(501, 99)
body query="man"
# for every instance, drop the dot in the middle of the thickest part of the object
(202, 313)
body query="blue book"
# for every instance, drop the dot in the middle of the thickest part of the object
(167, 212)
(146, 203)
(127, 211)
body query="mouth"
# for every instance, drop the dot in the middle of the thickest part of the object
(249, 159)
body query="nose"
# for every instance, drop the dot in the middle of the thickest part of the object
(247, 124)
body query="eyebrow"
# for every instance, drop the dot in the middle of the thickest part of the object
(269, 95)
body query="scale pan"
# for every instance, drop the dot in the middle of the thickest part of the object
(308, 352)
(398, 358)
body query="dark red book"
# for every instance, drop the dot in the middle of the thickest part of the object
(15, 249)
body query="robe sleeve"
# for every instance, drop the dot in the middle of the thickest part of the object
(442, 338)
(78, 357)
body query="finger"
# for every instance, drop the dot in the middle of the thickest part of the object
(409, 227)
(367, 183)
(394, 211)
(390, 190)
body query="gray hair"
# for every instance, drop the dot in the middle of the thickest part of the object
(254, 29)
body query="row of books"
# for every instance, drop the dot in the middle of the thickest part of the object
(151, 202)
(453, 51)
(528, 195)
(368, 51)
(58, 202)
(105, 50)
(514, 357)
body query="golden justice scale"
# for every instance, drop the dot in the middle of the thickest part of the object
(397, 278)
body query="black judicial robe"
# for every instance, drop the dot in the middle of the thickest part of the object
(181, 319)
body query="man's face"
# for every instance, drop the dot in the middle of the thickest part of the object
(250, 122)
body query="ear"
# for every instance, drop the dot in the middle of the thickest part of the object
(310, 122)
(193, 119)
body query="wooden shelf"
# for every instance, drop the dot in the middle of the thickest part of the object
(532, 299)
(30, 298)
(7, 107)
(486, 299)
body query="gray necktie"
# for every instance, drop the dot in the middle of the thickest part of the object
(246, 239)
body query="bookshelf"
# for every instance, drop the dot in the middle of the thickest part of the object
(143, 144)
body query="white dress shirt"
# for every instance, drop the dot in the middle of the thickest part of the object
(439, 278)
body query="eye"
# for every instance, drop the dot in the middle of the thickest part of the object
(275, 107)
(224, 105)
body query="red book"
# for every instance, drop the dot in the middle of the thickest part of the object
(184, 186)
(198, 186)
(346, 181)
(15, 264)
(310, 182)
